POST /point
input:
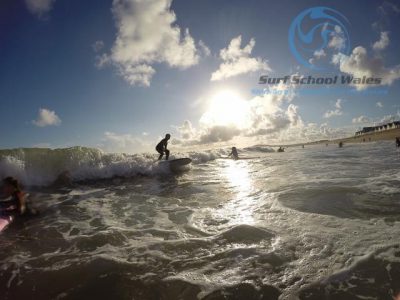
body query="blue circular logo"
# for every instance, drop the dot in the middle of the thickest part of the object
(316, 34)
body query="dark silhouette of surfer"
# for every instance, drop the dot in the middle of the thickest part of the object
(162, 147)
(234, 153)
(398, 142)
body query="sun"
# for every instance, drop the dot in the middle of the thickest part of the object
(226, 108)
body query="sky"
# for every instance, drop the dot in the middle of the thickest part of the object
(118, 75)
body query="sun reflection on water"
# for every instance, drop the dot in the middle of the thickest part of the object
(240, 209)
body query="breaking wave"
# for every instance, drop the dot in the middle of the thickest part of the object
(40, 167)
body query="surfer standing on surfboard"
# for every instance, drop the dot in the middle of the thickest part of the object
(162, 147)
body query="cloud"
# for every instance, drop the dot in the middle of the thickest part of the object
(102, 61)
(187, 131)
(337, 40)
(387, 12)
(390, 118)
(359, 64)
(313, 132)
(318, 54)
(218, 133)
(266, 115)
(204, 49)
(98, 46)
(388, 7)
(123, 143)
(47, 117)
(147, 35)
(336, 112)
(383, 41)
(379, 104)
(39, 7)
(361, 120)
(237, 60)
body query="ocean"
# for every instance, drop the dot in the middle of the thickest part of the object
(313, 223)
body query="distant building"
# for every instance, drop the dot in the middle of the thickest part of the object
(378, 128)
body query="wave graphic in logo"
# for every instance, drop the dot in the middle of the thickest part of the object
(316, 31)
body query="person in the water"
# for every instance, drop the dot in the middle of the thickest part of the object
(281, 149)
(398, 142)
(14, 205)
(162, 147)
(234, 153)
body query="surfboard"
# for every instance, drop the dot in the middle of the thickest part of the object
(177, 162)
(4, 222)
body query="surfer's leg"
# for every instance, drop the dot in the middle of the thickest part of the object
(166, 154)
(161, 153)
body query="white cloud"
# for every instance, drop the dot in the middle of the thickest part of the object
(319, 53)
(39, 7)
(337, 40)
(383, 41)
(359, 64)
(47, 117)
(125, 143)
(361, 120)
(266, 115)
(379, 104)
(390, 118)
(147, 34)
(336, 112)
(237, 60)
(204, 49)
(102, 60)
(218, 133)
(98, 46)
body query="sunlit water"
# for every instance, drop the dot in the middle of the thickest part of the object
(313, 223)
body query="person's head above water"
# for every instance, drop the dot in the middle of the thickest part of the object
(167, 136)
(233, 148)
(10, 186)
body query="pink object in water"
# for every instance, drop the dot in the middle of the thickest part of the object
(4, 222)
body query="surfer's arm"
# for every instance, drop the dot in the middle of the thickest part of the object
(4, 205)
(12, 206)
(22, 204)
(8, 207)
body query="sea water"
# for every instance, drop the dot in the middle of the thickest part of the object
(313, 223)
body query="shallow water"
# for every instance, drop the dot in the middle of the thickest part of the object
(313, 223)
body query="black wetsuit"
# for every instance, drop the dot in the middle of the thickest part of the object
(398, 142)
(10, 207)
(234, 154)
(161, 148)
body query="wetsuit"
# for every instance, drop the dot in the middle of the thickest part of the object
(161, 148)
(234, 154)
(11, 207)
